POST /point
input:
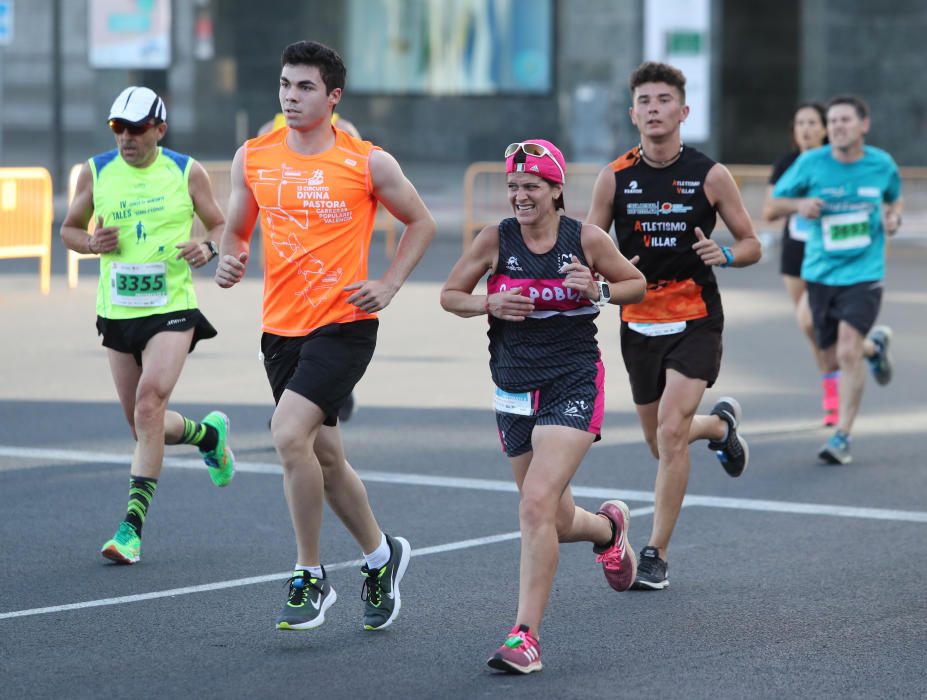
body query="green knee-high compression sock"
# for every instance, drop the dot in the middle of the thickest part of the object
(141, 491)
(203, 436)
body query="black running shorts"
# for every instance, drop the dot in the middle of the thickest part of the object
(323, 366)
(131, 335)
(695, 352)
(793, 253)
(576, 402)
(857, 304)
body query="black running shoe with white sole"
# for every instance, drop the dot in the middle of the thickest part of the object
(732, 451)
(307, 600)
(381, 586)
(652, 571)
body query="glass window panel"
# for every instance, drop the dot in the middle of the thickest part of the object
(450, 47)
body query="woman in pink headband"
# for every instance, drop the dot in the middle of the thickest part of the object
(543, 294)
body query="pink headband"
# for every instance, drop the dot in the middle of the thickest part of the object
(540, 157)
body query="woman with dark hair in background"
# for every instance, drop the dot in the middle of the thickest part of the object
(809, 131)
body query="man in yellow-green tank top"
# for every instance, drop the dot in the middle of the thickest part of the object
(142, 198)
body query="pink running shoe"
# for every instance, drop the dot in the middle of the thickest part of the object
(617, 558)
(519, 653)
(830, 399)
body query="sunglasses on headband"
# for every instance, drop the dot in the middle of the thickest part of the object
(135, 130)
(533, 149)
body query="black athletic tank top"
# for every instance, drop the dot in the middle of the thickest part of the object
(558, 337)
(656, 212)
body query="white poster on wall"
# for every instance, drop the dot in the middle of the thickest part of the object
(129, 33)
(678, 32)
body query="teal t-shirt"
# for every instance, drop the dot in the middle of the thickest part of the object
(846, 245)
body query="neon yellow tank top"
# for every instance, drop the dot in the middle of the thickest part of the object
(154, 212)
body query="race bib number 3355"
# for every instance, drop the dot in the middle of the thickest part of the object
(138, 285)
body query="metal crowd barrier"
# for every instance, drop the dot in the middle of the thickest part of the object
(74, 257)
(26, 213)
(485, 201)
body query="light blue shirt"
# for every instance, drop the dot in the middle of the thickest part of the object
(846, 245)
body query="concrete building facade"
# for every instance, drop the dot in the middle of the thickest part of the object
(765, 57)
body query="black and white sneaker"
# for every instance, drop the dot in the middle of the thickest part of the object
(307, 600)
(381, 586)
(732, 452)
(651, 571)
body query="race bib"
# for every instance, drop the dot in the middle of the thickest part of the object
(138, 285)
(846, 231)
(799, 228)
(521, 404)
(655, 329)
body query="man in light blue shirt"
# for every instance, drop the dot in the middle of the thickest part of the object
(851, 192)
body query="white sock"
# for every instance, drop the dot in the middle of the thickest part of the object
(314, 571)
(378, 557)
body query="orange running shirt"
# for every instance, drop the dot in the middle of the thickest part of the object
(317, 216)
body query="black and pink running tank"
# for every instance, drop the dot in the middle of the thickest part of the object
(558, 338)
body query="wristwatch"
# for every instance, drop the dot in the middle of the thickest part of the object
(213, 249)
(604, 293)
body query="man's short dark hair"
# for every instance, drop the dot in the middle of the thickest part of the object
(857, 103)
(653, 72)
(312, 53)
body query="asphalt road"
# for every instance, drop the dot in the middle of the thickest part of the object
(796, 580)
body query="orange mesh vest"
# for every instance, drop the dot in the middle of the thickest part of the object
(317, 217)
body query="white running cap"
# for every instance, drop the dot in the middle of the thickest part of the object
(136, 105)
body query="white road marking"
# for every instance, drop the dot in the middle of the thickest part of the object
(251, 580)
(427, 480)
(751, 504)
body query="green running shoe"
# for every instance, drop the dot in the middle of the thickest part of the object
(125, 547)
(307, 600)
(381, 586)
(221, 460)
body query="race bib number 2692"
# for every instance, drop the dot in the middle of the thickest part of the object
(846, 231)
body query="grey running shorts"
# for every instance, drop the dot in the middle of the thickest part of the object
(568, 400)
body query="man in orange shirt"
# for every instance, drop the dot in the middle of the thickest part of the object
(279, 122)
(316, 189)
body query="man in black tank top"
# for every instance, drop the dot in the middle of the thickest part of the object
(663, 198)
